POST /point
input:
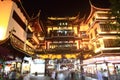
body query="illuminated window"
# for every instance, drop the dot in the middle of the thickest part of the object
(63, 24)
(63, 45)
(103, 15)
(60, 24)
(97, 44)
(83, 34)
(109, 27)
(66, 23)
(112, 43)
(62, 33)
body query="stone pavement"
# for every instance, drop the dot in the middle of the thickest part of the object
(40, 78)
(48, 78)
(89, 78)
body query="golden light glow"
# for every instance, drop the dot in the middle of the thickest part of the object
(77, 44)
(55, 28)
(87, 56)
(70, 27)
(75, 30)
(68, 56)
(49, 30)
(30, 28)
(36, 39)
(58, 56)
(28, 43)
(2, 32)
(5, 9)
(83, 27)
(61, 18)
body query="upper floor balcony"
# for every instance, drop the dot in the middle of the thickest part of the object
(65, 46)
(62, 35)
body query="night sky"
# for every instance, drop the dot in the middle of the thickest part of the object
(61, 8)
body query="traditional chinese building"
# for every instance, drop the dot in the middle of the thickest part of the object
(103, 39)
(19, 34)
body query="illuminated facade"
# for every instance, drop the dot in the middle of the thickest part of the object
(18, 30)
(103, 39)
(66, 37)
(62, 37)
(102, 32)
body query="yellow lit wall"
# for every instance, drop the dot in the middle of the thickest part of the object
(83, 28)
(2, 32)
(55, 28)
(75, 30)
(57, 56)
(70, 28)
(5, 10)
(48, 30)
(77, 44)
(92, 32)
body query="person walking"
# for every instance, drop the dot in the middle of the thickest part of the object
(99, 75)
(66, 74)
(105, 74)
(12, 75)
(53, 74)
(61, 76)
(18, 75)
(27, 76)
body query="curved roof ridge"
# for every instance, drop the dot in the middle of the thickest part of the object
(98, 8)
(93, 9)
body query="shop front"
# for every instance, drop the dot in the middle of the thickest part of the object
(11, 54)
(110, 63)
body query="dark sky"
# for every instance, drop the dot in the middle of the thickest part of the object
(61, 8)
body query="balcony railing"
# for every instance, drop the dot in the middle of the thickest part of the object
(61, 33)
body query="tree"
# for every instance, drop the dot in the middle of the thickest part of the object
(115, 9)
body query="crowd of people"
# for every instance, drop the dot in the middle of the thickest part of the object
(102, 74)
(14, 74)
(11, 75)
(55, 75)
(66, 75)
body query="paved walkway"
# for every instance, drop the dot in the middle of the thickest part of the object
(40, 78)
(48, 78)
(89, 78)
